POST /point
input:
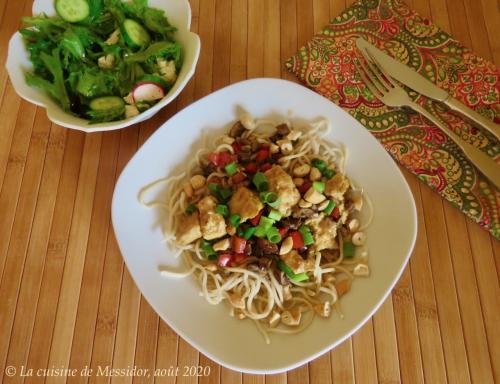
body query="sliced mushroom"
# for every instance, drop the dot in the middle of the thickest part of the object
(211, 267)
(237, 129)
(267, 247)
(274, 319)
(247, 120)
(324, 309)
(287, 294)
(294, 135)
(283, 129)
(285, 146)
(291, 317)
(361, 270)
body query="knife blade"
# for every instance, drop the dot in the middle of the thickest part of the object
(417, 82)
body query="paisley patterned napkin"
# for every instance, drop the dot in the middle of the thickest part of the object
(325, 64)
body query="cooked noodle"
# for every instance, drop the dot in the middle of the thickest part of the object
(254, 294)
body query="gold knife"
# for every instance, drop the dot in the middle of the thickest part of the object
(417, 82)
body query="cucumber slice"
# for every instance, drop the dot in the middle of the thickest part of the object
(106, 103)
(72, 11)
(147, 78)
(135, 34)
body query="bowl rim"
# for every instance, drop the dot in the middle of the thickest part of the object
(12, 62)
(362, 322)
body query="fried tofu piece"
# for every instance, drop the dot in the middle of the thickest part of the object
(245, 203)
(188, 229)
(212, 224)
(282, 183)
(294, 261)
(337, 186)
(324, 231)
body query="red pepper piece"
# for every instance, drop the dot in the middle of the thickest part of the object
(262, 154)
(239, 244)
(304, 187)
(236, 147)
(336, 213)
(240, 258)
(251, 168)
(224, 259)
(266, 166)
(214, 158)
(298, 242)
(283, 231)
(256, 219)
(225, 158)
(238, 178)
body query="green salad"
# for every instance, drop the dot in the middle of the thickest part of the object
(103, 60)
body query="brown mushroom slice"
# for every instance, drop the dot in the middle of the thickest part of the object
(291, 317)
(324, 309)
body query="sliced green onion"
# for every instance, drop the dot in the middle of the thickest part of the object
(289, 272)
(212, 257)
(261, 182)
(190, 209)
(274, 215)
(285, 268)
(319, 186)
(265, 223)
(270, 198)
(348, 249)
(260, 232)
(329, 208)
(275, 204)
(223, 210)
(225, 194)
(329, 173)
(231, 168)
(235, 220)
(318, 163)
(273, 235)
(249, 232)
(215, 188)
(306, 235)
(300, 277)
(207, 248)
(240, 231)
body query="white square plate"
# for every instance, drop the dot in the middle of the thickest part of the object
(238, 344)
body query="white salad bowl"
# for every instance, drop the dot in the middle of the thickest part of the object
(18, 63)
(237, 344)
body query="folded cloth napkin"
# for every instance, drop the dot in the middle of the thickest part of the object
(326, 65)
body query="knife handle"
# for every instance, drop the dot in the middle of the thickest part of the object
(481, 160)
(482, 121)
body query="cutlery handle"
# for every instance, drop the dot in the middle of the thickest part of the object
(481, 160)
(482, 121)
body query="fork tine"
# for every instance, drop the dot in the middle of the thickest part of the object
(376, 65)
(376, 74)
(367, 80)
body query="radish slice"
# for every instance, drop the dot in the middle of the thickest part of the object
(147, 92)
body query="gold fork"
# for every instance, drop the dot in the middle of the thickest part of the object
(390, 93)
